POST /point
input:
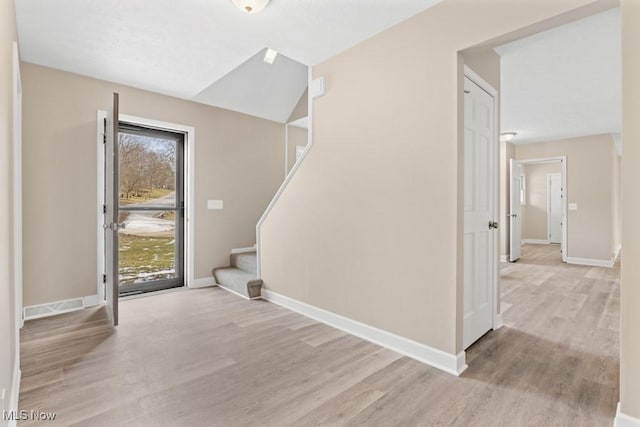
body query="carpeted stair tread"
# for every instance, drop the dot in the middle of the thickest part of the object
(247, 261)
(238, 280)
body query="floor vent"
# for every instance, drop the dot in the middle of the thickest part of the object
(52, 308)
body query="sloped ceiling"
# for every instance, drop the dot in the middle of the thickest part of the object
(564, 82)
(183, 48)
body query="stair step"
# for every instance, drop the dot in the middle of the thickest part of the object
(247, 261)
(238, 280)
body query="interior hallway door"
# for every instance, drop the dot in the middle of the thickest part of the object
(480, 257)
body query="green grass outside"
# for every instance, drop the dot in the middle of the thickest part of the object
(145, 254)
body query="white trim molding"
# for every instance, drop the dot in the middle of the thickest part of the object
(204, 282)
(236, 293)
(189, 173)
(17, 190)
(607, 263)
(565, 218)
(535, 242)
(449, 363)
(498, 321)
(616, 253)
(624, 420)
(14, 394)
(504, 258)
(101, 116)
(243, 250)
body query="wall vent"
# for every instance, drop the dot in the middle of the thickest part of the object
(53, 308)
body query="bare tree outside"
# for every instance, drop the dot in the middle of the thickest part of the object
(146, 164)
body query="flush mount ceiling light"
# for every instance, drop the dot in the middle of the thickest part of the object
(251, 6)
(507, 136)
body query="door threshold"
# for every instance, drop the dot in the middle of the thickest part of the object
(140, 294)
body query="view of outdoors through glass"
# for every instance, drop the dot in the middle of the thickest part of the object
(147, 179)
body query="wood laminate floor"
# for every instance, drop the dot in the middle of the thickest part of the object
(208, 358)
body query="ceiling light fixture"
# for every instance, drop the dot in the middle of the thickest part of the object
(251, 6)
(270, 56)
(507, 136)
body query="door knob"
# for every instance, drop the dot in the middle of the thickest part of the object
(493, 224)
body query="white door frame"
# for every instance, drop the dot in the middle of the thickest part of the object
(189, 171)
(484, 85)
(565, 218)
(17, 191)
(549, 177)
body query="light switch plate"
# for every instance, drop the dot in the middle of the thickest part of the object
(215, 204)
(573, 206)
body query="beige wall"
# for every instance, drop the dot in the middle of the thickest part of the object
(369, 227)
(534, 212)
(589, 181)
(296, 137)
(7, 297)
(630, 273)
(507, 152)
(486, 63)
(238, 159)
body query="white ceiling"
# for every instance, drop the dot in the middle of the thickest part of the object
(181, 48)
(564, 82)
(265, 90)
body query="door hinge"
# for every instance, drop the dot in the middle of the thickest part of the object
(104, 209)
(104, 133)
(104, 278)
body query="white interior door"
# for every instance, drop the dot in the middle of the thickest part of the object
(554, 207)
(515, 213)
(112, 198)
(480, 257)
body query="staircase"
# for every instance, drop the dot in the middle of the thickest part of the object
(241, 277)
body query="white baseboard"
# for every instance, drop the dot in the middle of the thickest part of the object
(59, 307)
(498, 322)
(504, 258)
(624, 420)
(617, 253)
(452, 364)
(243, 250)
(607, 263)
(205, 282)
(14, 396)
(232, 291)
(535, 242)
(90, 301)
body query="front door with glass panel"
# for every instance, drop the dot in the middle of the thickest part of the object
(151, 209)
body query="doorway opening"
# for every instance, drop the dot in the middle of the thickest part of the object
(151, 209)
(538, 210)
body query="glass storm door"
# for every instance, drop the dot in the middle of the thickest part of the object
(150, 209)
